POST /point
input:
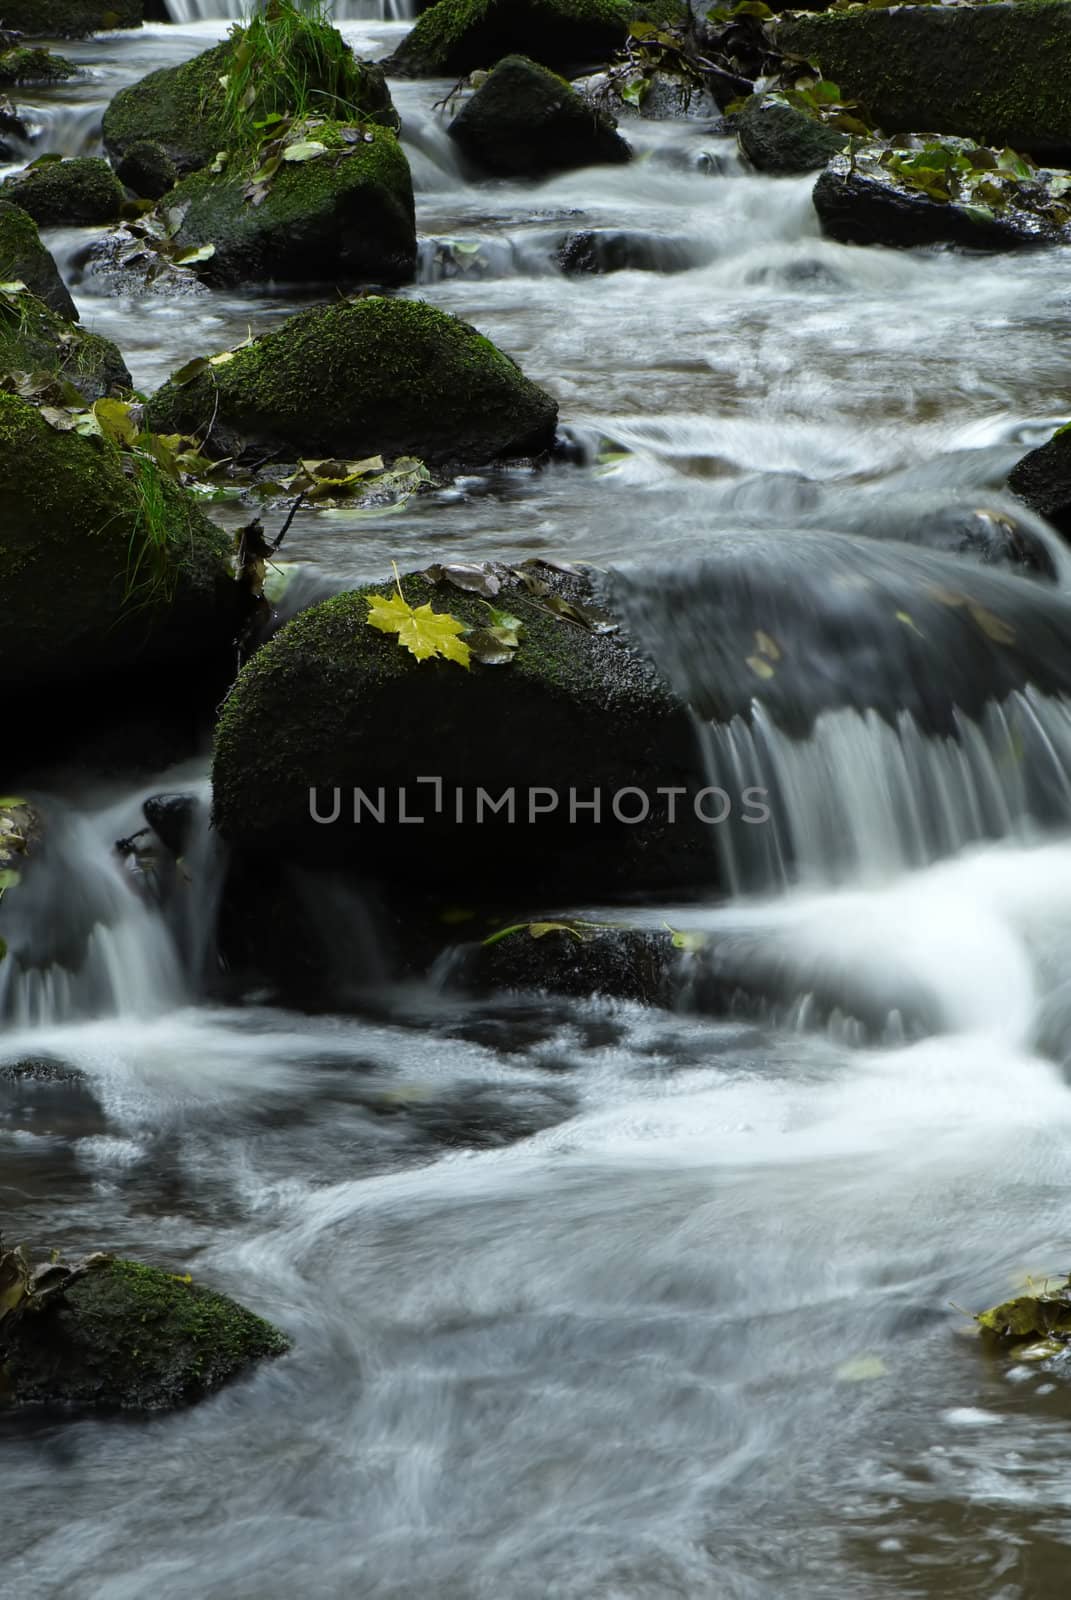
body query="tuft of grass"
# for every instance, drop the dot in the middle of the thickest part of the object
(289, 62)
(152, 571)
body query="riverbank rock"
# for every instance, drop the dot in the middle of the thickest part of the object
(343, 214)
(23, 65)
(24, 259)
(781, 138)
(115, 1335)
(70, 19)
(570, 721)
(459, 36)
(76, 192)
(183, 109)
(106, 565)
(524, 121)
(371, 376)
(865, 200)
(1043, 480)
(994, 73)
(147, 169)
(35, 342)
(575, 958)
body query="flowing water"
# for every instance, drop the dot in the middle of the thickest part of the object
(590, 1299)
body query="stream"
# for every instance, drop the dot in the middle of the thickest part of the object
(592, 1301)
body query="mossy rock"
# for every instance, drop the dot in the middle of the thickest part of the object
(332, 702)
(73, 193)
(994, 73)
(70, 19)
(24, 65)
(364, 377)
(34, 339)
(124, 1336)
(24, 259)
(780, 138)
(524, 121)
(459, 36)
(574, 958)
(181, 108)
(101, 569)
(344, 217)
(147, 169)
(1043, 480)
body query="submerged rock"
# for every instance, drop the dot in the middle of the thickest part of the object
(995, 73)
(115, 1335)
(345, 215)
(36, 342)
(1043, 480)
(364, 377)
(780, 138)
(24, 259)
(601, 250)
(25, 66)
(75, 192)
(147, 169)
(524, 121)
(70, 19)
(458, 36)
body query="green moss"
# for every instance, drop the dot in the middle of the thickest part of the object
(33, 339)
(995, 73)
(23, 258)
(373, 375)
(347, 216)
(131, 1336)
(458, 36)
(525, 119)
(70, 19)
(22, 65)
(81, 191)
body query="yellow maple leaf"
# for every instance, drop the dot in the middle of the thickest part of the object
(422, 631)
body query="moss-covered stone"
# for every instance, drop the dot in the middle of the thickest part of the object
(78, 192)
(344, 217)
(781, 138)
(124, 1336)
(34, 339)
(524, 121)
(24, 65)
(182, 108)
(70, 19)
(333, 702)
(103, 562)
(361, 377)
(24, 259)
(458, 36)
(995, 73)
(1043, 480)
(147, 169)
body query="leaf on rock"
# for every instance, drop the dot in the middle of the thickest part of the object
(1036, 1315)
(202, 252)
(423, 632)
(191, 370)
(304, 150)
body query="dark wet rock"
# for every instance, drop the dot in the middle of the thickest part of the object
(14, 132)
(1043, 480)
(34, 340)
(478, 1116)
(182, 108)
(24, 259)
(363, 377)
(332, 701)
(84, 598)
(991, 529)
(146, 169)
(525, 121)
(75, 192)
(665, 96)
(39, 1069)
(173, 818)
(49, 1098)
(857, 206)
(995, 73)
(115, 1335)
(574, 958)
(344, 217)
(601, 250)
(455, 37)
(70, 19)
(23, 65)
(128, 261)
(781, 138)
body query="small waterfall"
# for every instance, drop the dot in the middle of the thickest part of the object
(188, 11)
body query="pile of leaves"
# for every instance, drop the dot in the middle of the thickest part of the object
(367, 487)
(985, 182)
(821, 99)
(1035, 1325)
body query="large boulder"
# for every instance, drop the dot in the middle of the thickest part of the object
(546, 773)
(35, 340)
(115, 1335)
(70, 19)
(363, 377)
(344, 215)
(105, 564)
(23, 65)
(24, 259)
(459, 36)
(524, 121)
(781, 138)
(77, 192)
(185, 109)
(146, 169)
(1043, 480)
(995, 73)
